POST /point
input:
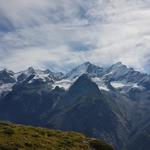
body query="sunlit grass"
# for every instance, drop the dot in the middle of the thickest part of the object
(18, 137)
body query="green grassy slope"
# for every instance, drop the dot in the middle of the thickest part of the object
(18, 137)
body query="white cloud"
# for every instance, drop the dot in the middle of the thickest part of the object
(44, 29)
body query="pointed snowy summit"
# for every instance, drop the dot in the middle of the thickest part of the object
(85, 68)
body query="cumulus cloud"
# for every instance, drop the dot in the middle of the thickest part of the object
(61, 34)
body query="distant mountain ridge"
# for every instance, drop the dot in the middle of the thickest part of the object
(118, 75)
(111, 103)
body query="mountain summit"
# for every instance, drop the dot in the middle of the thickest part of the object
(85, 68)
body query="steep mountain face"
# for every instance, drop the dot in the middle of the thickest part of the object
(7, 76)
(124, 79)
(120, 72)
(110, 103)
(86, 110)
(7, 80)
(145, 82)
(30, 100)
(140, 140)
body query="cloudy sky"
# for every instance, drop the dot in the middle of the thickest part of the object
(60, 34)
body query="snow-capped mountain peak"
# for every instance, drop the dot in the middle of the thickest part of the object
(37, 74)
(117, 67)
(31, 69)
(85, 68)
(7, 71)
(7, 76)
(120, 72)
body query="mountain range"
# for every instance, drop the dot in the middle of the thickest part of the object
(111, 103)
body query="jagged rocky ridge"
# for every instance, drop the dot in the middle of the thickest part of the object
(110, 103)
